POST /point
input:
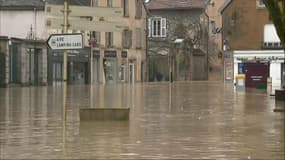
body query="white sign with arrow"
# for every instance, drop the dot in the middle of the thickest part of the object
(65, 41)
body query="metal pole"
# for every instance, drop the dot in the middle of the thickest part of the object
(91, 52)
(65, 27)
(91, 65)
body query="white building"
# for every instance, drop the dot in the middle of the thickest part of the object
(22, 19)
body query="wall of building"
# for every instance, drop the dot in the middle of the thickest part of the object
(134, 55)
(214, 15)
(243, 24)
(4, 59)
(132, 23)
(164, 47)
(18, 23)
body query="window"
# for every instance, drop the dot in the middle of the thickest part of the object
(127, 39)
(138, 38)
(109, 3)
(260, 4)
(109, 39)
(126, 7)
(138, 9)
(213, 27)
(98, 38)
(95, 38)
(157, 27)
(94, 3)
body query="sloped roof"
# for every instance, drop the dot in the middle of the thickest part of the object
(176, 4)
(224, 6)
(26, 4)
(21, 3)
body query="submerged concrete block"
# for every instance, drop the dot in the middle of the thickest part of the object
(104, 114)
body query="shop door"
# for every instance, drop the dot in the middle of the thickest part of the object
(14, 61)
(282, 74)
(57, 73)
(110, 70)
(80, 73)
(37, 66)
(96, 71)
(2, 67)
(256, 74)
(132, 73)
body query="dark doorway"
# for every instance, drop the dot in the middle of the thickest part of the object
(78, 73)
(2, 68)
(256, 74)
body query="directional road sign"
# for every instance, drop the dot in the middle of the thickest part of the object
(79, 11)
(79, 24)
(65, 41)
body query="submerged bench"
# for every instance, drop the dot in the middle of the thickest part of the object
(104, 114)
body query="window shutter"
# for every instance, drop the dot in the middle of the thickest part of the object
(138, 9)
(149, 27)
(106, 39)
(153, 28)
(163, 27)
(126, 7)
(109, 39)
(138, 38)
(127, 39)
(98, 37)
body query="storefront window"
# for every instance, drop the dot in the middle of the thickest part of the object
(283, 74)
(122, 73)
(110, 70)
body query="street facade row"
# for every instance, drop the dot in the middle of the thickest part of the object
(163, 40)
(118, 56)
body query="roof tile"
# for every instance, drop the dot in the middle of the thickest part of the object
(176, 4)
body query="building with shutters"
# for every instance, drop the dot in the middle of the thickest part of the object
(177, 40)
(118, 56)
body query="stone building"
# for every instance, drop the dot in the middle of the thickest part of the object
(215, 40)
(177, 40)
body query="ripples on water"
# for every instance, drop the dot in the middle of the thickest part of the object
(184, 121)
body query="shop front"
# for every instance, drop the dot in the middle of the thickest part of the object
(78, 66)
(259, 66)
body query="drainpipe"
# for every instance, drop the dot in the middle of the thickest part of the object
(207, 46)
(35, 24)
(146, 43)
(0, 20)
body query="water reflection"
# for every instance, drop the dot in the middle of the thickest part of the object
(168, 121)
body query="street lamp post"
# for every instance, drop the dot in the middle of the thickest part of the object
(171, 57)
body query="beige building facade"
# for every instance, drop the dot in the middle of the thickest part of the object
(215, 40)
(130, 44)
(118, 56)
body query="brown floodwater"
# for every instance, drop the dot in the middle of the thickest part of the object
(193, 120)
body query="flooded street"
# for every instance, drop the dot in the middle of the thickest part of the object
(192, 120)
